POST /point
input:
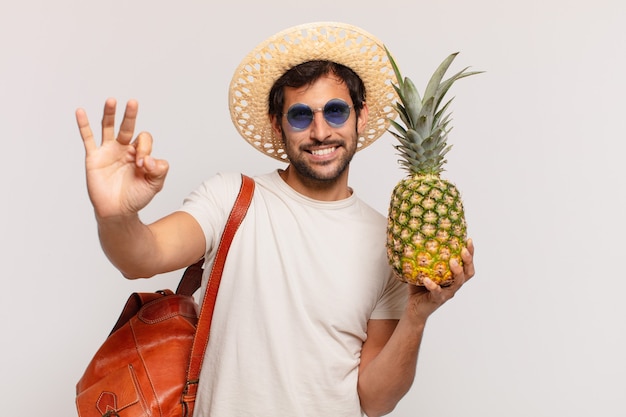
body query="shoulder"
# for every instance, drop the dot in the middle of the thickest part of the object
(211, 201)
(223, 181)
(220, 187)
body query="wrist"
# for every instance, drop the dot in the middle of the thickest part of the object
(415, 318)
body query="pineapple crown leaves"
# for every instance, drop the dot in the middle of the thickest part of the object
(426, 122)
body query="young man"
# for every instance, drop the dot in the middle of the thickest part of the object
(309, 320)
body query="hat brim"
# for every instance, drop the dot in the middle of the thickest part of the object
(330, 41)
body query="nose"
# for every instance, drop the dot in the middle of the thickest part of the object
(320, 129)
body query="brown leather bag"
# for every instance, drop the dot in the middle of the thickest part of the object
(150, 363)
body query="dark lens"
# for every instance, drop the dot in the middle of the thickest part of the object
(299, 116)
(336, 112)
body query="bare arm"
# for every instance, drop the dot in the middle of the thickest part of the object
(141, 251)
(122, 178)
(389, 355)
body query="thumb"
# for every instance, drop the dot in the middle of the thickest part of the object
(155, 169)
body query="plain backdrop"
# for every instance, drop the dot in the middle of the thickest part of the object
(537, 153)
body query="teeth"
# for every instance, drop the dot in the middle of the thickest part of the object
(321, 152)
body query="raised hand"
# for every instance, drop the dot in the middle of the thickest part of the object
(122, 176)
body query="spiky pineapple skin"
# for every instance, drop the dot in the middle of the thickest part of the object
(426, 229)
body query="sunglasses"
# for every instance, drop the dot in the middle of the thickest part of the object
(336, 112)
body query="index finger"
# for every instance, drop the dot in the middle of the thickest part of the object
(85, 130)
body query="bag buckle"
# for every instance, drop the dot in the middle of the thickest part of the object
(188, 394)
(188, 384)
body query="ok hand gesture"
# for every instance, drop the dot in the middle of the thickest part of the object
(122, 176)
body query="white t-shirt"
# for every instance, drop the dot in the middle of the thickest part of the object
(301, 281)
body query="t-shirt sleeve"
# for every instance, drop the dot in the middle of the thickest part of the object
(210, 204)
(393, 301)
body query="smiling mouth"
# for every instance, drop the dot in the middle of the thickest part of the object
(322, 152)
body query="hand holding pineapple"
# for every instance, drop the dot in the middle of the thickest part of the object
(428, 297)
(426, 221)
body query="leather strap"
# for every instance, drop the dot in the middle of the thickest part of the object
(201, 338)
(192, 279)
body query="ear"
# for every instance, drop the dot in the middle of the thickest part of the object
(363, 117)
(276, 126)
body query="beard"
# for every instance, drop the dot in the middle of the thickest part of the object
(311, 172)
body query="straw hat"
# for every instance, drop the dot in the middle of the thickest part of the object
(331, 41)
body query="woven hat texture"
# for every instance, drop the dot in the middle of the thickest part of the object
(337, 42)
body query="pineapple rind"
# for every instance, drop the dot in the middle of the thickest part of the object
(422, 246)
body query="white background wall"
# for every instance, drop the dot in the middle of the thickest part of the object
(538, 144)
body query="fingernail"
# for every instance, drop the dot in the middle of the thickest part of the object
(454, 263)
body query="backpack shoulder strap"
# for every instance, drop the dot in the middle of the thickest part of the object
(192, 277)
(201, 338)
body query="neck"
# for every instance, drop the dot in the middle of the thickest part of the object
(321, 190)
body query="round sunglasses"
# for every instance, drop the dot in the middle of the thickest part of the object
(336, 112)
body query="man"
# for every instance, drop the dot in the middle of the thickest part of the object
(309, 320)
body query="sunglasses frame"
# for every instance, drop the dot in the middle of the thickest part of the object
(333, 102)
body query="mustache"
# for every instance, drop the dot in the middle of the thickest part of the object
(326, 143)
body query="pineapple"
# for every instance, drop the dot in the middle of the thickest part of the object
(426, 222)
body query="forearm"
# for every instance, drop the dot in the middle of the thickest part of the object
(140, 251)
(129, 244)
(388, 367)
(389, 376)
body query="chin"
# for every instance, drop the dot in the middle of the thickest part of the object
(328, 172)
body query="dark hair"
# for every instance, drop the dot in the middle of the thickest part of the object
(309, 72)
